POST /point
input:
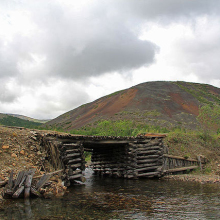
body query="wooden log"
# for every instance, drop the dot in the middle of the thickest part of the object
(148, 174)
(177, 157)
(52, 173)
(73, 177)
(129, 176)
(180, 169)
(150, 144)
(146, 165)
(3, 183)
(149, 152)
(147, 168)
(76, 172)
(147, 161)
(149, 156)
(35, 192)
(165, 164)
(27, 184)
(101, 162)
(70, 147)
(19, 179)
(72, 151)
(74, 161)
(146, 150)
(72, 155)
(42, 181)
(77, 165)
(18, 192)
(7, 193)
(23, 179)
(199, 162)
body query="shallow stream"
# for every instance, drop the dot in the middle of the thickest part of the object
(108, 198)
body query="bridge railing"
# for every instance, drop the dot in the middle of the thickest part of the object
(174, 164)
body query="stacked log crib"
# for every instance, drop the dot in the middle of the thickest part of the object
(125, 157)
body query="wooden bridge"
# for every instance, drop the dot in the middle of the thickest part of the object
(125, 157)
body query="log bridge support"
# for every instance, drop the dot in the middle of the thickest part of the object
(126, 157)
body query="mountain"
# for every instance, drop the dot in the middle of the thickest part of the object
(27, 118)
(164, 104)
(18, 120)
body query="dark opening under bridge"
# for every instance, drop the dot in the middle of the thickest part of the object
(126, 157)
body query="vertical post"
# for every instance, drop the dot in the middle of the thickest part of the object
(199, 161)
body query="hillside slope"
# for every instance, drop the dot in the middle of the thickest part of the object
(9, 120)
(27, 118)
(166, 104)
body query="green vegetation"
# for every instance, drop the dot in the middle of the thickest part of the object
(118, 128)
(14, 121)
(200, 92)
(87, 156)
(153, 113)
(209, 118)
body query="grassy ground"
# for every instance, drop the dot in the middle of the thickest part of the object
(190, 145)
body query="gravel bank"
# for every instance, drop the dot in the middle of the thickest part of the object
(201, 178)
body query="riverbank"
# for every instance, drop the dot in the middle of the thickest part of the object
(201, 178)
(21, 150)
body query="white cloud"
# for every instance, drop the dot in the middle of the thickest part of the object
(56, 55)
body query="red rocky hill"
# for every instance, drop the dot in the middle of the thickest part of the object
(167, 104)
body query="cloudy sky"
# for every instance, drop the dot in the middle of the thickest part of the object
(58, 54)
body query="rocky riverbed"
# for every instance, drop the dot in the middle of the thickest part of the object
(201, 178)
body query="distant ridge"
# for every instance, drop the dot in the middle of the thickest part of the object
(19, 121)
(165, 104)
(27, 118)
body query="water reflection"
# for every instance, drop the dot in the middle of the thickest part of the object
(123, 199)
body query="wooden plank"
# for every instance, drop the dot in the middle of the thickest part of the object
(149, 174)
(180, 169)
(19, 178)
(106, 142)
(3, 183)
(18, 192)
(23, 179)
(146, 149)
(149, 157)
(147, 168)
(42, 181)
(200, 163)
(73, 151)
(147, 161)
(72, 155)
(27, 184)
(149, 152)
(7, 193)
(52, 173)
(177, 157)
(35, 192)
(146, 165)
(73, 177)
(71, 145)
(77, 165)
(74, 161)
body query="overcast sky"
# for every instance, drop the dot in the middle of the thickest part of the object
(58, 54)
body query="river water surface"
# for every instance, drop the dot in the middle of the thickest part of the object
(108, 198)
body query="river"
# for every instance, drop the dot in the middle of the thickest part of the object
(108, 198)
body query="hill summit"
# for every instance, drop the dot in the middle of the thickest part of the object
(164, 104)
